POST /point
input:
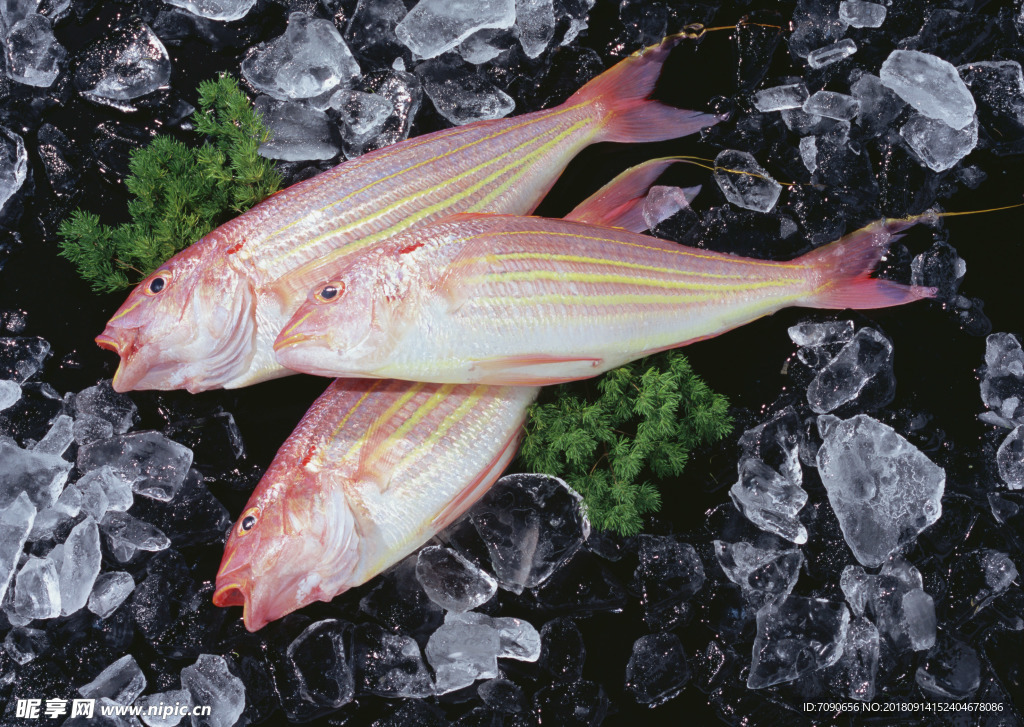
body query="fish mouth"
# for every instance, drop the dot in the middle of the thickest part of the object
(291, 340)
(105, 340)
(229, 595)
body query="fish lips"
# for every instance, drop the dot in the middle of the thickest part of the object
(261, 606)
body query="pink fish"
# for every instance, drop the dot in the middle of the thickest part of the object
(372, 471)
(207, 319)
(532, 301)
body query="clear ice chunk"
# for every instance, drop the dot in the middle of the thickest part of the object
(451, 581)
(662, 202)
(59, 437)
(1002, 385)
(13, 169)
(94, 502)
(657, 670)
(483, 46)
(155, 465)
(118, 490)
(935, 143)
(175, 698)
(795, 637)
(1010, 459)
(998, 89)
(536, 22)
(405, 93)
(820, 342)
(10, 393)
(298, 132)
(24, 644)
(862, 370)
(531, 525)
(829, 54)
(226, 10)
(37, 589)
(882, 488)
(434, 27)
(363, 116)
(89, 429)
(854, 675)
(668, 575)
(460, 95)
(39, 475)
(210, 683)
(127, 534)
(80, 565)
(929, 84)
(122, 682)
(502, 695)
(879, 106)
(778, 98)
(939, 267)
(563, 651)
(461, 652)
(33, 53)
(309, 60)
(390, 665)
(744, 182)
(764, 574)
(68, 505)
(832, 105)
(320, 658)
(110, 591)
(129, 63)
(918, 619)
(12, 11)
(103, 402)
(861, 14)
(895, 600)
(952, 670)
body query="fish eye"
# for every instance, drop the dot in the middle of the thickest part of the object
(158, 283)
(249, 520)
(330, 291)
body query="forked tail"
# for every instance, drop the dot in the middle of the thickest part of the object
(843, 270)
(622, 95)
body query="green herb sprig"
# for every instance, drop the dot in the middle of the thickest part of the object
(179, 193)
(641, 427)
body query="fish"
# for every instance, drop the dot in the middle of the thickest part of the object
(208, 317)
(507, 300)
(373, 470)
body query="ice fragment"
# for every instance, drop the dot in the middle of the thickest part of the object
(829, 54)
(744, 182)
(796, 636)
(433, 27)
(861, 14)
(109, 592)
(929, 84)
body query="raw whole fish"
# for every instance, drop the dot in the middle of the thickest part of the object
(208, 318)
(532, 301)
(373, 470)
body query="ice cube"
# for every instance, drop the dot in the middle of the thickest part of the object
(939, 267)
(662, 202)
(1002, 386)
(126, 534)
(210, 683)
(179, 698)
(102, 401)
(125, 64)
(829, 54)
(460, 95)
(777, 98)
(11, 11)
(769, 500)
(88, 429)
(531, 524)
(951, 670)
(795, 637)
(311, 59)
(460, 653)
(929, 84)
(37, 589)
(405, 93)
(894, 598)
(80, 566)
(668, 575)
(832, 105)
(39, 475)
(939, 146)
(399, 603)
(918, 619)
(744, 182)
(820, 342)
(110, 591)
(503, 695)
(809, 153)
(563, 651)
(58, 438)
(998, 89)
(764, 574)
(68, 505)
(854, 674)
(862, 370)
(363, 116)
(33, 53)
(24, 644)
(536, 22)
(1010, 459)
(390, 665)
(483, 46)
(298, 132)
(879, 106)
(118, 491)
(776, 443)
(122, 682)
(216, 9)
(657, 670)
(21, 358)
(434, 27)
(155, 465)
(13, 169)
(10, 392)
(861, 14)
(882, 488)
(320, 658)
(451, 581)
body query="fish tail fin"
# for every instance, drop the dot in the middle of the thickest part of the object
(622, 95)
(842, 270)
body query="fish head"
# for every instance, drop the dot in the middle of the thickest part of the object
(189, 325)
(291, 546)
(342, 327)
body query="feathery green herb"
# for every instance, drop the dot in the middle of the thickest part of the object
(647, 418)
(179, 193)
